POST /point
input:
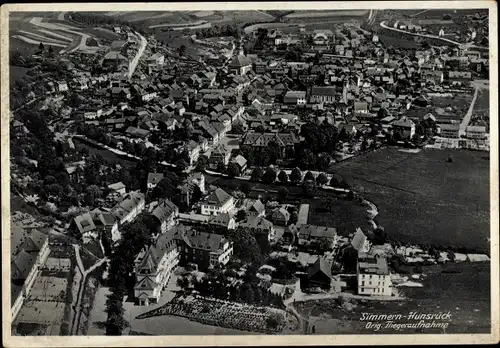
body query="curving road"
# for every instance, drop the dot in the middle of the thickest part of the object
(385, 26)
(142, 46)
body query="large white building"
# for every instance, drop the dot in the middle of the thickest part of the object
(154, 268)
(373, 276)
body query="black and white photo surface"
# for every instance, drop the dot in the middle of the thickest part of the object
(194, 170)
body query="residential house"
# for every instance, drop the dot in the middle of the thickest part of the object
(373, 276)
(240, 65)
(118, 188)
(319, 275)
(241, 162)
(259, 225)
(435, 77)
(156, 59)
(449, 130)
(166, 214)
(324, 95)
(206, 250)
(255, 208)
(316, 235)
(475, 132)
(223, 220)
(129, 208)
(29, 251)
(154, 267)
(193, 151)
(360, 108)
(406, 126)
(62, 86)
(284, 141)
(219, 155)
(281, 217)
(295, 98)
(219, 201)
(459, 77)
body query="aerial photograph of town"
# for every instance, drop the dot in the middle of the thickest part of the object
(249, 172)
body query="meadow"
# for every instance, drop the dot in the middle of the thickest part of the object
(424, 199)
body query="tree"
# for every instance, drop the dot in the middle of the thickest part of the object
(41, 47)
(51, 51)
(380, 236)
(233, 170)
(296, 175)
(283, 177)
(322, 179)
(92, 193)
(283, 193)
(245, 187)
(202, 163)
(256, 174)
(241, 215)
(221, 168)
(336, 180)
(350, 259)
(309, 177)
(269, 176)
(182, 50)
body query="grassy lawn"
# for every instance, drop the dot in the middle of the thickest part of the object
(423, 199)
(458, 293)
(344, 215)
(107, 155)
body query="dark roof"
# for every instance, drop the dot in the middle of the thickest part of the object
(200, 240)
(219, 197)
(239, 61)
(165, 210)
(321, 265)
(308, 231)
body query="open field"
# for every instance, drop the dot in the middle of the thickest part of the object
(29, 29)
(319, 13)
(459, 293)
(482, 105)
(344, 215)
(423, 199)
(396, 42)
(106, 154)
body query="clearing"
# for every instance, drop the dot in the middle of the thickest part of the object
(423, 199)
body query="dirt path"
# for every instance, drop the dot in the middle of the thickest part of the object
(77, 307)
(468, 115)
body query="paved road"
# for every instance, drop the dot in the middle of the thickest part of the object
(385, 26)
(142, 46)
(465, 121)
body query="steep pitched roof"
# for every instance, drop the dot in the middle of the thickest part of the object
(164, 210)
(219, 197)
(257, 222)
(239, 62)
(321, 265)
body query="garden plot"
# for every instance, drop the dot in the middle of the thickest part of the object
(48, 315)
(222, 313)
(49, 289)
